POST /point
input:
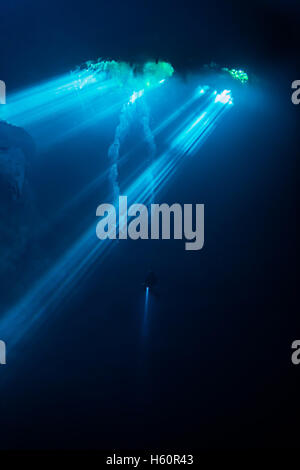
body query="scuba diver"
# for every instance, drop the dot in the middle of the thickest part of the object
(150, 281)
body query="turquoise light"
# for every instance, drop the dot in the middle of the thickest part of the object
(224, 97)
(194, 121)
(135, 95)
(240, 75)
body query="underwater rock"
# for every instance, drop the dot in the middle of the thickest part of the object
(17, 208)
(16, 150)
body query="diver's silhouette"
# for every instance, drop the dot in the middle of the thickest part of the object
(151, 280)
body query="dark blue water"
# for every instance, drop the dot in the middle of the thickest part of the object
(216, 358)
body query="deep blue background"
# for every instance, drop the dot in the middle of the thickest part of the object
(215, 369)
